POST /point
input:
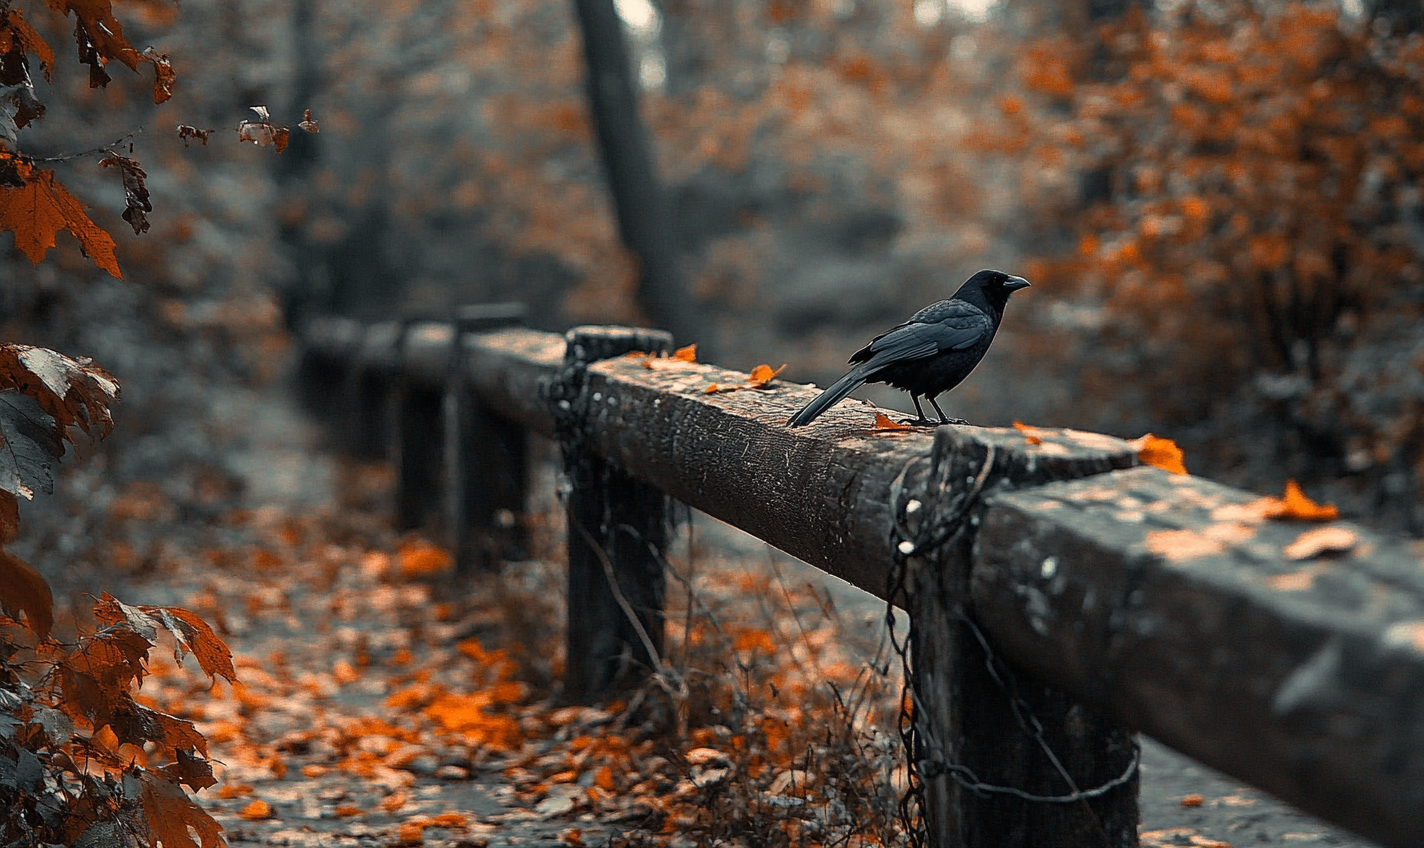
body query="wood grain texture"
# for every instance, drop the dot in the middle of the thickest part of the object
(1168, 602)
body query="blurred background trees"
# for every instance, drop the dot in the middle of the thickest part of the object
(1218, 203)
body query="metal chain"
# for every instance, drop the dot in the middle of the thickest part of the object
(942, 527)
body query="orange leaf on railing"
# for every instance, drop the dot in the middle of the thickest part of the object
(1295, 506)
(1163, 453)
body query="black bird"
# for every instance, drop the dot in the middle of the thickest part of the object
(932, 352)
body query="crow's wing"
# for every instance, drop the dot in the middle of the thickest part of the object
(947, 325)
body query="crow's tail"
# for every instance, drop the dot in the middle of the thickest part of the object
(853, 379)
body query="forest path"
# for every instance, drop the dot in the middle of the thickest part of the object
(383, 702)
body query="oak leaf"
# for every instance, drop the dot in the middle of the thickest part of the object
(39, 209)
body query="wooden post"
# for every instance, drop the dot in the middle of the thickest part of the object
(371, 385)
(487, 456)
(617, 531)
(420, 452)
(980, 721)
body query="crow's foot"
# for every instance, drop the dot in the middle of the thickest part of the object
(951, 421)
(921, 422)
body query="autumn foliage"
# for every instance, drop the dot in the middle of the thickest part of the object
(82, 761)
(1249, 175)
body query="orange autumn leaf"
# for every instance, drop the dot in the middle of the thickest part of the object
(711, 389)
(344, 672)
(763, 374)
(421, 558)
(256, 810)
(39, 209)
(1193, 800)
(882, 422)
(344, 811)
(393, 802)
(686, 354)
(448, 820)
(411, 833)
(1031, 434)
(1295, 506)
(22, 589)
(1163, 453)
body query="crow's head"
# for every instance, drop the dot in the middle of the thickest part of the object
(991, 288)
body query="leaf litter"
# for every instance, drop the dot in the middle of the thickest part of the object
(378, 703)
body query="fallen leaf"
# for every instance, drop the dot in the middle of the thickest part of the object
(882, 422)
(763, 374)
(256, 810)
(422, 558)
(1030, 434)
(1162, 453)
(1313, 543)
(686, 354)
(711, 389)
(1295, 506)
(309, 123)
(1193, 800)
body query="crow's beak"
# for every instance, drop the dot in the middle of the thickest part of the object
(1015, 283)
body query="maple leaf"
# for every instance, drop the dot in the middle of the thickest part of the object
(17, 36)
(74, 393)
(883, 422)
(37, 210)
(164, 77)
(1163, 453)
(136, 202)
(192, 770)
(170, 812)
(1295, 506)
(190, 633)
(22, 589)
(98, 35)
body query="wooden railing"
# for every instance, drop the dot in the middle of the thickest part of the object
(1062, 597)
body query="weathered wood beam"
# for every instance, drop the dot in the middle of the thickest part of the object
(1170, 603)
(1154, 598)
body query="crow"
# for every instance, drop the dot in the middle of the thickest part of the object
(932, 352)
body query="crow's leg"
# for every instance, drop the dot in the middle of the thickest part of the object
(942, 419)
(922, 421)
